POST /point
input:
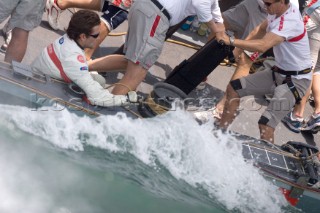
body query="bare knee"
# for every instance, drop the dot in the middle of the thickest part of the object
(232, 87)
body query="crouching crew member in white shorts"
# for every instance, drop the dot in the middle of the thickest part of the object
(64, 59)
(148, 22)
(288, 80)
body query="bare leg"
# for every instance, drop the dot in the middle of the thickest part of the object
(17, 46)
(316, 92)
(134, 75)
(84, 4)
(230, 107)
(266, 133)
(242, 70)
(108, 63)
(298, 109)
(104, 31)
(221, 103)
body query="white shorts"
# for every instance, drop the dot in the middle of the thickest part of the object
(146, 35)
(25, 14)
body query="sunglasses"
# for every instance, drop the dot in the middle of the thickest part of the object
(95, 35)
(268, 4)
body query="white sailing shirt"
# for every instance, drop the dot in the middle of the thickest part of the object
(75, 66)
(206, 10)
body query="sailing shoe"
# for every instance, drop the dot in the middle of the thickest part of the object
(205, 116)
(313, 123)
(53, 13)
(7, 35)
(187, 24)
(311, 101)
(294, 124)
(4, 48)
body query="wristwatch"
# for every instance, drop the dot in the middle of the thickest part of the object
(231, 39)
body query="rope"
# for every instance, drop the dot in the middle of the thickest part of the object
(154, 106)
(133, 112)
(297, 152)
(183, 44)
(312, 155)
(149, 101)
(117, 34)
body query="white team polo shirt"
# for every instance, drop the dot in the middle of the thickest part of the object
(206, 10)
(294, 53)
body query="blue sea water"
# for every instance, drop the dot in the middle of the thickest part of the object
(62, 163)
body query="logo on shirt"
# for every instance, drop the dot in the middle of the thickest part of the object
(84, 68)
(81, 59)
(281, 23)
(61, 40)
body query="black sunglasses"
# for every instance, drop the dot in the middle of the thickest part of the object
(95, 35)
(268, 4)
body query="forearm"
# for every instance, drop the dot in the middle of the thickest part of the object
(215, 28)
(108, 63)
(259, 45)
(258, 41)
(256, 45)
(258, 32)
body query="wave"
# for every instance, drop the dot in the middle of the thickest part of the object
(204, 158)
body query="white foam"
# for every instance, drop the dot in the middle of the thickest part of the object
(191, 152)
